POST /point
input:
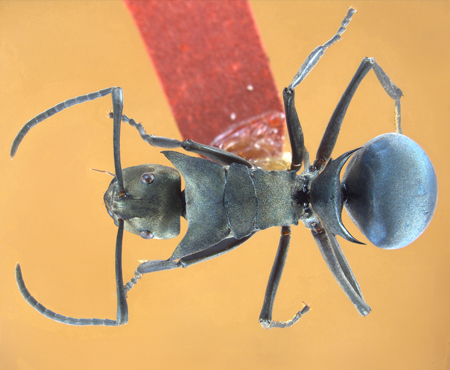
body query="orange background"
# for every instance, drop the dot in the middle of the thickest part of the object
(206, 317)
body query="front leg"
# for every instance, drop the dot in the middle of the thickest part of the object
(214, 251)
(217, 155)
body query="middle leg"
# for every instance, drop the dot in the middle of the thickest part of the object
(265, 318)
(299, 153)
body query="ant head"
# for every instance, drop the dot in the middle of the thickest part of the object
(151, 202)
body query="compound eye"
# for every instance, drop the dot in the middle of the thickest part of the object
(147, 178)
(146, 234)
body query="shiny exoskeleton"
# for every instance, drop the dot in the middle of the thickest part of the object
(389, 189)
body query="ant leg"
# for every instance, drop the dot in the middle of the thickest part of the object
(299, 152)
(160, 265)
(334, 125)
(265, 318)
(393, 91)
(148, 267)
(339, 267)
(218, 155)
(319, 51)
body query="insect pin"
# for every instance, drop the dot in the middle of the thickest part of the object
(389, 189)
